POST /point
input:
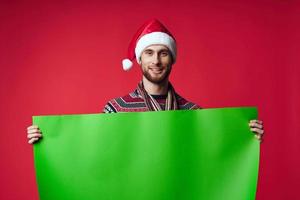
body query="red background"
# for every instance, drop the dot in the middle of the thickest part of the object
(65, 58)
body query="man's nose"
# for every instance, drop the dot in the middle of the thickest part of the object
(156, 59)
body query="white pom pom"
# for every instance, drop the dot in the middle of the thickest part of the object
(127, 64)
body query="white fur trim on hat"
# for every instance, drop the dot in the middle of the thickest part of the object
(155, 38)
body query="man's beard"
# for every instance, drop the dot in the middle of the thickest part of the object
(157, 80)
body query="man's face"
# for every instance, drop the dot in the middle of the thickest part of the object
(156, 63)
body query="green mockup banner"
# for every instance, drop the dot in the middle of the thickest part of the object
(206, 154)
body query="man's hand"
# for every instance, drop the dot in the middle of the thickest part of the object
(33, 134)
(256, 126)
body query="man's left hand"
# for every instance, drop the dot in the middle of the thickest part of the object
(256, 126)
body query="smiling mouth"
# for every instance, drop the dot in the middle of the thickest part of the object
(156, 70)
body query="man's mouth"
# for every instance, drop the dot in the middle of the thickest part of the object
(156, 70)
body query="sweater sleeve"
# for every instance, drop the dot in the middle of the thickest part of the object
(108, 108)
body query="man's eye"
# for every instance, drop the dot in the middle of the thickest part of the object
(148, 52)
(164, 53)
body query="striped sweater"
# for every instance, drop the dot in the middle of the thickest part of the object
(133, 102)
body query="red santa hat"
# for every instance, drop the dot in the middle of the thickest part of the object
(152, 32)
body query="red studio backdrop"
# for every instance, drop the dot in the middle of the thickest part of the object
(64, 57)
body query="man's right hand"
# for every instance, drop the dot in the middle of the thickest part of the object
(33, 134)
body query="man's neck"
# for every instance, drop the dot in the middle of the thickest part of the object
(154, 88)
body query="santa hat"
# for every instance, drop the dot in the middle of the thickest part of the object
(152, 32)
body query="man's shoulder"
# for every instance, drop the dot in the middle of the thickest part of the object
(131, 102)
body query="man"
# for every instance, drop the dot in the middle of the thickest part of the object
(154, 49)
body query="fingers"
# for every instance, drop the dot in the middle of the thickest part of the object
(257, 131)
(33, 134)
(32, 127)
(256, 121)
(33, 140)
(256, 126)
(36, 130)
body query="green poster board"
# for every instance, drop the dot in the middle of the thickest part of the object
(206, 154)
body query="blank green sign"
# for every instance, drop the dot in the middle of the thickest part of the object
(208, 154)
